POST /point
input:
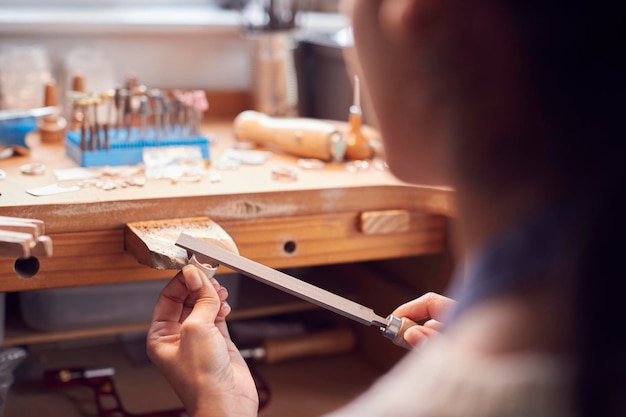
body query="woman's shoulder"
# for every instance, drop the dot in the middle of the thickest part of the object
(441, 379)
(454, 375)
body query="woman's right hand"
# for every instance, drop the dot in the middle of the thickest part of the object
(189, 342)
(431, 307)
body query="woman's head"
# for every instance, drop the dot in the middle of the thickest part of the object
(486, 94)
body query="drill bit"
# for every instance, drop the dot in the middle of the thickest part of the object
(120, 102)
(200, 105)
(143, 111)
(80, 107)
(157, 108)
(167, 115)
(95, 129)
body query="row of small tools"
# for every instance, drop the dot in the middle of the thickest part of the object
(133, 114)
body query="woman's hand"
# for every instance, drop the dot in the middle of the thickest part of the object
(431, 307)
(189, 342)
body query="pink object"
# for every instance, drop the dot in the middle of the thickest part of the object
(200, 102)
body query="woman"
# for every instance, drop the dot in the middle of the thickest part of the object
(515, 104)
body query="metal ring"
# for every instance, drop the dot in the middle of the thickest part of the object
(393, 327)
(361, 165)
(33, 169)
(208, 269)
(311, 163)
(284, 173)
(338, 146)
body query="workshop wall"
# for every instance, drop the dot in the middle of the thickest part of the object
(187, 48)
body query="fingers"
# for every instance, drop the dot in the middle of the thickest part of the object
(434, 324)
(207, 303)
(189, 287)
(171, 301)
(222, 293)
(419, 334)
(430, 305)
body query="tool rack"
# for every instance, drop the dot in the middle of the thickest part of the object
(125, 149)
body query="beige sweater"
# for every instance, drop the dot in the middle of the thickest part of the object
(440, 380)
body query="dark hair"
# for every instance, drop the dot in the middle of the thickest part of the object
(576, 56)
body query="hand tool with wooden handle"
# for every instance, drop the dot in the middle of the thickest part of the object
(308, 138)
(320, 343)
(391, 327)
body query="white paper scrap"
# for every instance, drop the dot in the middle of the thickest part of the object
(51, 190)
(247, 157)
(69, 174)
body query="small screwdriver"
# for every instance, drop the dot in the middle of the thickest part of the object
(358, 147)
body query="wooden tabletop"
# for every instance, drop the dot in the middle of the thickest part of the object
(247, 202)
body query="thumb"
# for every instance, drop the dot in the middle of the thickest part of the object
(203, 298)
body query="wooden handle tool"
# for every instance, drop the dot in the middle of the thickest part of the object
(320, 343)
(308, 138)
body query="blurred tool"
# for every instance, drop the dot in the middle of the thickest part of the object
(269, 25)
(320, 343)
(270, 15)
(95, 127)
(78, 83)
(80, 108)
(15, 126)
(279, 349)
(392, 327)
(108, 401)
(100, 380)
(308, 138)
(24, 239)
(200, 105)
(157, 109)
(178, 110)
(120, 103)
(274, 89)
(358, 146)
(76, 114)
(108, 97)
(144, 111)
(10, 359)
(19, 113)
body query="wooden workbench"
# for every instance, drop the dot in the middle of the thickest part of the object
(311, 221)
(314, 221)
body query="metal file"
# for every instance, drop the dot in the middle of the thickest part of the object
(391, 326)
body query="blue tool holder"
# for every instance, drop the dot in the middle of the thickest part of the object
(125, 149)
(14, 131)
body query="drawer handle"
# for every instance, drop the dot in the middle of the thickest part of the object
(384, 222)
